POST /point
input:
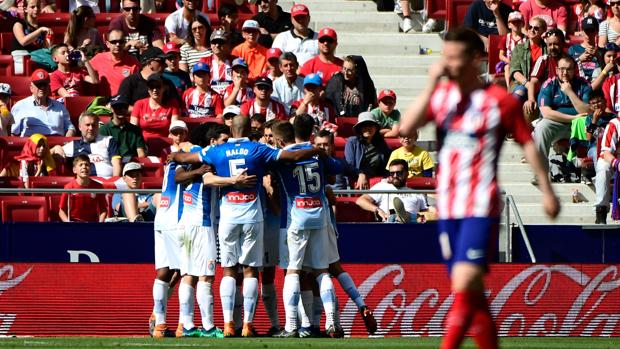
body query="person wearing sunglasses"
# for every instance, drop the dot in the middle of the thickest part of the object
(524, 56)
(140, 30)
(178, 22)
(610, 29)
(552, 11)
(114, 65)
(272, 20)
(326, 64)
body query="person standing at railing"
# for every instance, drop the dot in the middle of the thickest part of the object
(82, 207)
(472, 120)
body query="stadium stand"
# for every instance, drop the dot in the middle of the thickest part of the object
(24, 208)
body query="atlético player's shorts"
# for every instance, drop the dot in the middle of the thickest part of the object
(271, 236)
(241, 244)
(167, 249)
(469, 240)
(198, 251)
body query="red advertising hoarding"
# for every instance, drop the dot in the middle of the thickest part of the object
(408, 299)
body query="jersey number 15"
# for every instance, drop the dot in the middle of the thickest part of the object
(308, 178)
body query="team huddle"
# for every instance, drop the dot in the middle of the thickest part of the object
(266, 206)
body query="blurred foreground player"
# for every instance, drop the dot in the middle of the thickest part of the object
(472, 119)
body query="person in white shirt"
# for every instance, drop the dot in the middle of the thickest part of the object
(300, 40)
(289, 87)
(177, 23)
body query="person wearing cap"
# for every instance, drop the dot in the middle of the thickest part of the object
(552, 11)
(6, 118)
(39, 113)
(263, 103)
(179, 134)
(525, 55)
(196, 44)
(155, 113)
(312, 103)
(202, 101)
(508, 43)
(220, 61)
(272, 69)
(610, 65)
(290, 86)
(326, 64)
(300, 39)
(67, 79)
(141, 31)
(240, 90)
(487, 17)
(587, 54)
(172, 72)
(136, 207)
(254, 54)
(127, 135)
(134, 87)
(367, 151)
(178, 22)
(115, 65)
(229, 113)
(386, 115)
(272, 20)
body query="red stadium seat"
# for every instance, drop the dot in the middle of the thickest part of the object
(393, 143)
(6, 42)
(436, 8)
(102, 20)
(152, 182)
(60, 140)
(76, 106)
(374, 180)
(348, 211)
(6, 65)
(493, 55)
(10, 182)
(150, 168)
(345, 126)
(12, 146)
(56, 182)
(24, 209)
(56, 19)
(421, 183)
(157, 146)
(456, 12)
(20, 85)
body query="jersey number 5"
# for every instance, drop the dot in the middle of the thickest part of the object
(236, 166)
(308, 178)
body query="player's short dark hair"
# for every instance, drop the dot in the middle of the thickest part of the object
(198, 134)
(326, 133)
(258, 117)
(471, 40)
(303, 126)
(226, 10)
(284, 131)
(215, 131)
(81, 157)
(269, 124)
(401, 162)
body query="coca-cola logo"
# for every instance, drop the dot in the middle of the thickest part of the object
(7, 281)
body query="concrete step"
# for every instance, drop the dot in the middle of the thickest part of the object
(396, 81)
(535, 198)
(381, 59)
(372, 39)
(334, 6)
(318, 16)
(377, 70)
(564, 220)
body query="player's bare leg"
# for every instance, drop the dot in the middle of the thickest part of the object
(250, 296)
(162, 287)
(348, 285)
(270, 299)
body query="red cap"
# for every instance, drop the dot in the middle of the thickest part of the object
(300, 10)
(386, 93)
(328, 32)
(171, 47)
(39, 75)
(273, 53)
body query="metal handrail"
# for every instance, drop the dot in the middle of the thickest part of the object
(510, 203)
(154, 191)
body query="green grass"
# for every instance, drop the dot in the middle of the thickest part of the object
(262, 343)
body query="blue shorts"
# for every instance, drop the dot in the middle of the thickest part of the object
(469, 240)
(522, 96)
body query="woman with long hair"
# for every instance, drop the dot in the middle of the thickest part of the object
(81, 32)
(610, 29)
(197, 43)
(352, 91)
(155, 113)
(28, 35)
(35, 160)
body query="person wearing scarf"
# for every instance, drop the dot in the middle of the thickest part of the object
(35, 160)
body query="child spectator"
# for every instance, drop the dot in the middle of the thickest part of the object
(178, 134)
(386, 115)
(202, 101)
(172, 72)
(66, 81)
(587, 54)
(6, 118)
(136, 207)
(239, 91)
(220, 61)
(28, 36)
(85, 207)
(596, 122)
(312, 103)
(81, 32)
(419, 161)
(611, 65)
(509, 42)
(154, 114)
(589, 8)
(35, 160)
(272, 69)
(251, 51)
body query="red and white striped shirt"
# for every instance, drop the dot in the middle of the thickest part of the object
(275, 110)
(202, 104)
(321, 113)
(221, 73)
(611, 90)
(611, 138)
(243, 96)
(471, 131)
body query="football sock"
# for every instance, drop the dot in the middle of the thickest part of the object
(290, 297)
(317, 311)
(160, 301)
(204, 296)
(458, 320)
(483, 327)
(327, 296)
(305, 308)
(186, 305)
(270, 301)
(238, 309)
(250, 295)
(347, 284)
(227, 296)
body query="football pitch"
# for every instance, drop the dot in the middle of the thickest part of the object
(262, 343)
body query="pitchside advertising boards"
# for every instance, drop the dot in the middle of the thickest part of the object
(107, 288)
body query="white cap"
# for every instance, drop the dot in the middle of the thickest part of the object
(250, 24)
(131, 166)
(5, 88)
(177, 124)
(232, 109)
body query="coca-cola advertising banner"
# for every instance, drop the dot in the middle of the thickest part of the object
(408, 299)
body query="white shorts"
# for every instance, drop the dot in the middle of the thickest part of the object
(241, 244)
(331, 250)
(167, 249)
(198, 251)
(271, 243)
(307, 247)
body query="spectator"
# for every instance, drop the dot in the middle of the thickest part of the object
(136, 207)
(127, 135)
(589, 8)
(84, 207)
(154, 113)
(134, 87)
(609, 29)
(178, 22)
(289, 87)
(262, 103)
(587, 54)
(101, 150)
(272, 67)
(509, 42)
(81, 32)
(562, 98)
(114, 66)
(46, 6)
(352, 91)
(257, 123)
(525, 56)
(220, 61)
(386, 115)
(272, 20)
(611, 64)
(202, 101)
(553, 12)
(93, 4)
(325, 140)
(239, 91)
(228, 16)
(141, 31)
(179, 134)
(326, 64)
(606, 167)
(229, 113)
(419, 161)
(251, 51)
(172, 72)
(35, 160)
(6, 118)
(487, 17)
(301, 40)
(367, 151)
(394, 208)
(73, 69)
(196, 45)
(312, 103)
(29, 37)
(39, 113)
(595, 122)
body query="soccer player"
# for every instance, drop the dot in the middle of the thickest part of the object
(472, 119)
(241, 219)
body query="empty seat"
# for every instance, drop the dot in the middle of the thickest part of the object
(6, 65)
(24, 209)
(10, 182)
(345, 126)
(76, 105)
(348, 211)
(20, 85)
(422, 183)
(49, 182)
(152, 182)
(151, 168)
